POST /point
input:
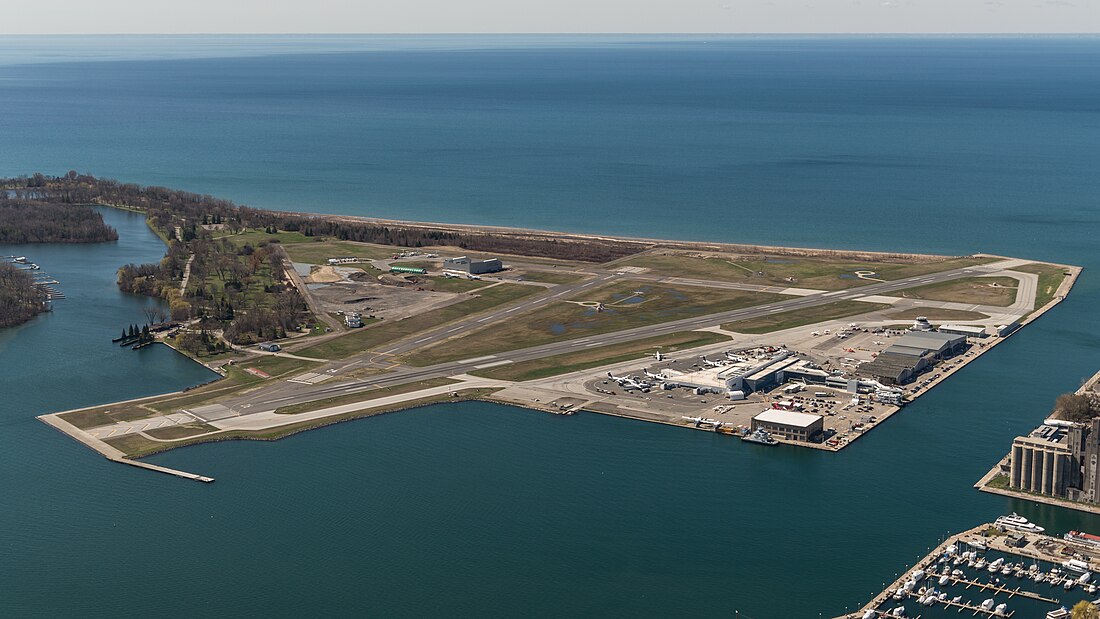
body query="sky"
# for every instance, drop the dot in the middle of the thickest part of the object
(548, 16)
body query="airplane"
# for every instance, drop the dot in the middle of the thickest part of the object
(658, 356)
(733, 357)
(815, 333)
(653, 376)
(629, 382)
(709, 363)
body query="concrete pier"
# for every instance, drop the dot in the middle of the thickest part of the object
(111, 453)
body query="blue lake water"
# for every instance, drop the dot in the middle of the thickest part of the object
(948, 145)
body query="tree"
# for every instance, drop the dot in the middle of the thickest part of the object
(1084, 610)
(1075, 407)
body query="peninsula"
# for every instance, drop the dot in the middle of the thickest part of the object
(342, 317)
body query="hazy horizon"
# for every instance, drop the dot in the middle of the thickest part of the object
(418, 17)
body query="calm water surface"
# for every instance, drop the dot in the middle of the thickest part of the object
(935, 145)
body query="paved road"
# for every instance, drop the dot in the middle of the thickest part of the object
(283, 393)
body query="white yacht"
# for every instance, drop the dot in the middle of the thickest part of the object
(1018, 523)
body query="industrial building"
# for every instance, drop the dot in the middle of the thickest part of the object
(790, 425)
(912, 354)
(353, 320)
(1046, 461)
(974, 331)
(1059, 459)
(473, 267)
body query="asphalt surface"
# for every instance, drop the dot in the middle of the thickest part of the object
(283, 393)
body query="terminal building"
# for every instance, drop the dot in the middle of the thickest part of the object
(790, 425)
(473, 267)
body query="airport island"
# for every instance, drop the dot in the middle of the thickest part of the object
(312, 320)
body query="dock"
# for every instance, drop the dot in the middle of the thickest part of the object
(976, 609)
(995, 589)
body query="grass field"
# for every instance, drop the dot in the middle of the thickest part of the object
(597, 356)
(235, 381)
(255, 237)
(801, 317)
(1050, 277)
(999, 291)
(624, 309)
(816, 273)
(181, 431)
(363, 396)
(935, 313)
(368, 337)
(553, 277)
(455, 284)
(137, 446)
(319, 253)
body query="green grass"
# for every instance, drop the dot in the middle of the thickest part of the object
(935, 313)
(815, 273)
(181, 431)
(1050, 278)
(255, 237)
(998, 291)
(562, 320)
(455, 284)
(137, 446)
(319, 253)
(427, 265)
(597, 356)
(364, 339)
(553, 277)
(363, 396)
(999, 482)
(802, 317)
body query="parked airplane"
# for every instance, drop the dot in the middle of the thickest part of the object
(658, 356)
(653, 376)
(709, 363)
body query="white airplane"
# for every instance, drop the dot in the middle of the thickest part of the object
(815, 333)
(653, 376)
(733, 357)
(658, 356)
(629, 382)
(709, 363)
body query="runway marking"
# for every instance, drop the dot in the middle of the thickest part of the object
(591, 344)
(386, 352)
(833, 294)
(476, 359)
(455, 329)
(493, 364)
(511, 310)
(423, 339)
(487, 318)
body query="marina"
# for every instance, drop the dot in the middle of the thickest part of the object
(994, 570)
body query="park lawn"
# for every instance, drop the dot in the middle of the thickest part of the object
(366, 338)
(818, 273)
(137, 446)
(606, 355)
(936, 313)
(802, 317)
(554, 277)
(563, 320)
(1050, 278)
(363, 396)
(998, 291)
(320, 252)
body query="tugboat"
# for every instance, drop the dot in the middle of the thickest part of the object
(760, 436)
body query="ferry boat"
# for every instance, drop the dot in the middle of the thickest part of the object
(760, 436)
(1082, 538)
(1076, 565)
(1018, 523)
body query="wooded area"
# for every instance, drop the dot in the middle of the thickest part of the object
(30, 221)
(20, 299)
(163, 206)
